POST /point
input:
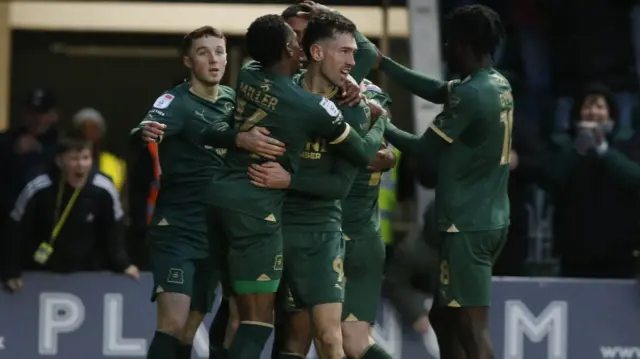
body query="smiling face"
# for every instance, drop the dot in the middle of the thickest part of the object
(335, 56)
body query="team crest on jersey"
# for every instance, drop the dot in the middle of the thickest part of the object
(228, 107)
(163, 101)
(265, 85)
(330, 107)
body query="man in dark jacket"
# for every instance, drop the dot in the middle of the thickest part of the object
(65, 220)
(589, 173)
(27, 148)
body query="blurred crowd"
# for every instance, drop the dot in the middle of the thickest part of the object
(575, 181)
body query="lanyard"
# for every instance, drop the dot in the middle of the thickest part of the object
(61, 219)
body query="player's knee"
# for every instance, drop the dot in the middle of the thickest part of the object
(173, 313)
(329, 337)
(171, 324)
(355, 341)
(256, 307)
(191, 326)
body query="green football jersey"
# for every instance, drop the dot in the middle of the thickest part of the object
(292, 115)
(322, 168)
(473, 171)
(186, 164)
(360, 208)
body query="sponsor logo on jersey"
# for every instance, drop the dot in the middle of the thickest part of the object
(374, 88)
(330, 107)
(163, 101)
(228, 107)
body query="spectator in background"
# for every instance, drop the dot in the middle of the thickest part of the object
(596, 212)
(66, 220)
(26, 149)
(94, 127)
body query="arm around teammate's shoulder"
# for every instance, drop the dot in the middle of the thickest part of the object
(361, 151)
(325, 120)
(419, 84)
(365, 58)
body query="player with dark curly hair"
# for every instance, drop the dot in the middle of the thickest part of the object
(472, 140)
(313, 240)
(249, 214)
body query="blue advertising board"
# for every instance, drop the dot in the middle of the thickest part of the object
(103, 315)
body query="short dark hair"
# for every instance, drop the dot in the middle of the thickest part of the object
(73, 141)
(198, 33)
(477, 25)
(323, 26)
(595, 90)
(267, 39)
(292, 11)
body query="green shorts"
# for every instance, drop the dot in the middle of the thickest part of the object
(363, 269)
(466, 263)
(254, 256)
(181, 266)
(314, 271)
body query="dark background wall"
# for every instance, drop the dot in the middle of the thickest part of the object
(120, 85)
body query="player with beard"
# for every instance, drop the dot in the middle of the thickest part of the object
(312, 214)
(249, 215)
(184, 277)
(471, 142)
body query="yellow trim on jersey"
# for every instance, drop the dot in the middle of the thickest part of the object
(440, 133)
(332, 93)
(450, 85)
(342, 136)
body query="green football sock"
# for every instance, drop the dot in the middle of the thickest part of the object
(290, 356)
(249, 341)
(375, 352)
(163, 346)
(184, 351)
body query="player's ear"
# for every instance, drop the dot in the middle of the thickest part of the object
(186, 61)
(316, 52)
(289, 49)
